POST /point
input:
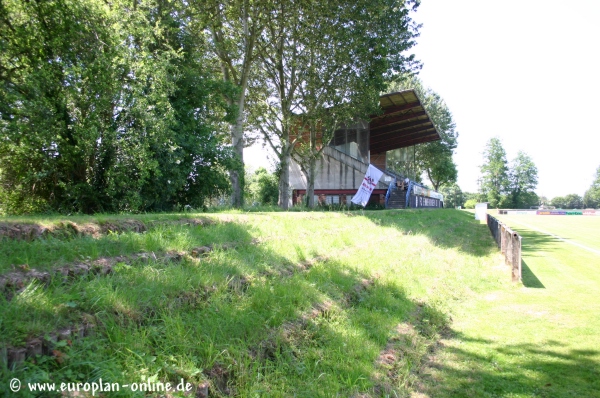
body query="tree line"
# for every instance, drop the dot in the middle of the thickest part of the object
(590, 199)
(512, 185)
(146, 105)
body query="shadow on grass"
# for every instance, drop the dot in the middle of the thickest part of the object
(549, 370)
(249, 320)
(343, 320)
(534, 242)
(254, 322)
(448, 228)
(528, 277)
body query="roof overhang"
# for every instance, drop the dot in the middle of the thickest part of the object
(404, 122)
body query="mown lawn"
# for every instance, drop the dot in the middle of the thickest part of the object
(538, 339)
(386, 303)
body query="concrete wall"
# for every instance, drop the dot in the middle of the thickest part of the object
(335, 170)
(379, 160)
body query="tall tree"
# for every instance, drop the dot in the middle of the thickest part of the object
(233, 28)
(262, 187)
(325, 64)
(73, 135)
(573, 201)
(495, 180)
(101, 104)
(192, 160)
(453, 196)
(435, 158)
(523, 181)
(591, 198)
(281, 48)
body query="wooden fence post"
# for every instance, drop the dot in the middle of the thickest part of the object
(509, 243)
(509, 247)
(516, 258)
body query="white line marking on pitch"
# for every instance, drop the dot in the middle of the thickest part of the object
(559, 238)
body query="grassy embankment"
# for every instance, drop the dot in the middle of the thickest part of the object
(308, 304)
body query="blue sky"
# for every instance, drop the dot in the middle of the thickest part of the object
(527, 72)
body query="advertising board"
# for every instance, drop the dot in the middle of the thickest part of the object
(424, 202)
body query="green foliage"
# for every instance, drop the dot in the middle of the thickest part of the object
(523, 181)
(434, 158)
(527, 200)
(470, 204)
(478, 197)
(106, 108)
(571, 201)
(262, 187)
(558, 202)
(319, 74)
(495, 181)
(232, 30)
(591, 198)
(453, 196)
(505, 187)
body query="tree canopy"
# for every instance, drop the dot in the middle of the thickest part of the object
(495, 183)
(107, 107)
(143, 105)
(523, 181)
(591, 198)
(453, 196)
(323, 65)
(570, 201)
(435, 159)
(504, 186)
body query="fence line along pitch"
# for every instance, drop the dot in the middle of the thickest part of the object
(509, 243)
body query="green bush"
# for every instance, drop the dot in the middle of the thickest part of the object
(470, 204)
(262, 188)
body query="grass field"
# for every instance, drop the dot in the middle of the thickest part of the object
(584, 230)
(360, 304)
(538, 339)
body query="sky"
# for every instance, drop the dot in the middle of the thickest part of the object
(526, 72)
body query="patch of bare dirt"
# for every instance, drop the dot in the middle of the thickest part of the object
(221, 379)
(67, 229)
(122, 226)
(26, 232)
(47, 345)
(13, 282)
(358, 292)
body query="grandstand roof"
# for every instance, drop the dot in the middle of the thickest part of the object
(404, 122)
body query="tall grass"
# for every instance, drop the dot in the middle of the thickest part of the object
(325, 304)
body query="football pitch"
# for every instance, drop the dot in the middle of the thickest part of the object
(538, 338)
(584, 231)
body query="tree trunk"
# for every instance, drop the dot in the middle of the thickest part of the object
(237, 141)
(312, 164)
(310, 190)
(284, 179)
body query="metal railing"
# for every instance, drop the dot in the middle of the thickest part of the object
(408, 191)
(391, 187)
(509, 243)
